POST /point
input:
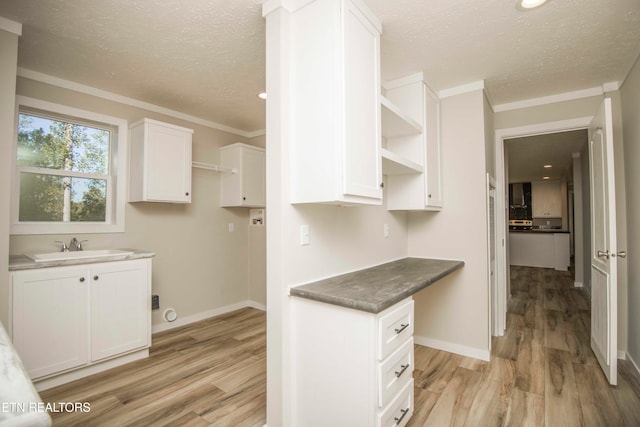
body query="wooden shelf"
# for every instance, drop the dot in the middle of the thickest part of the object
(394, 164)
(395, 123)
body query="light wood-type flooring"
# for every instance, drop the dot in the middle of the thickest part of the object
(542, 372)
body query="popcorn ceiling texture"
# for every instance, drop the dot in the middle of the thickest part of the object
(206, 57)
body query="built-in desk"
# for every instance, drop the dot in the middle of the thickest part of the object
(352, 340)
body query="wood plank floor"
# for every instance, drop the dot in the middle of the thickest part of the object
(209, 373)
(542, 372)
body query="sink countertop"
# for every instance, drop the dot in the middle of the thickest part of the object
(23, 262)
(21, 404)
(377, 288)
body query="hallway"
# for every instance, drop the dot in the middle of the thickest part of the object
(542, 371)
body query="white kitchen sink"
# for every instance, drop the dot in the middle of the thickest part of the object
(93, 253)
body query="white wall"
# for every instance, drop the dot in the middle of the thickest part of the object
(453, 314)
(8, 66)
(630, 101)
(200, 267)
(341, 239)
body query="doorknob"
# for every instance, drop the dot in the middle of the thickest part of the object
(604, 254)
(620, 254)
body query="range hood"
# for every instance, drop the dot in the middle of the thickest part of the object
(517, 195)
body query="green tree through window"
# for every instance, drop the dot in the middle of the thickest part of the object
(63, 169)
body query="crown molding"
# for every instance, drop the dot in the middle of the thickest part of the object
(10, 26)
(110, 96)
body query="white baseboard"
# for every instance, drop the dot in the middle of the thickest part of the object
(76, 374)
(165, 326)
(633, 362)
(462, 350)
(622, 355)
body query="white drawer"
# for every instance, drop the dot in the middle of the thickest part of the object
(400, 410)
(395, 326)
(394, 373)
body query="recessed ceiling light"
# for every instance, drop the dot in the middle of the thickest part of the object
(530, 4)
(545, 177)
(548, 166)
(262, 95)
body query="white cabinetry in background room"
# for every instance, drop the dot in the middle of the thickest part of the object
(353, 368)
(411, 155)
(160, 162)
(335, 103)
(546, 199)
(70, 317)
(246, 186)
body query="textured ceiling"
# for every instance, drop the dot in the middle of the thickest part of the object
(206, 57)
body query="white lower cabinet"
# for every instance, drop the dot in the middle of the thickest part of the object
(65, 318)
(351, 367)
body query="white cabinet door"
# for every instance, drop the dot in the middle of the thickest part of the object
(335, 96)
(433, 163)
(160, 163)
(120, 307)
(246, 187)
(546, 199)
(363, 164)
(50, 318)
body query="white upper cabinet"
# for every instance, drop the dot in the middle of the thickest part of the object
(546, 199)
(160, 162)
(246, 185)
(411, 154)
(335, 103)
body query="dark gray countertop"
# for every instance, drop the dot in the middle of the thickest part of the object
(23, 262)
(540, 231)
(377, 288)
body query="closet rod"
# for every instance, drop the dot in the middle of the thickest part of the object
(211, 167)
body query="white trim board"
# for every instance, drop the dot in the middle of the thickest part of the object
(450, 347)
(166, 326)
(110, 96)
(559, 97)
(10, 26)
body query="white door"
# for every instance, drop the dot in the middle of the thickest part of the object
(604, 292)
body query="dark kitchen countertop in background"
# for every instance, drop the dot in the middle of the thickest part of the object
(539, 231)
(377, 288)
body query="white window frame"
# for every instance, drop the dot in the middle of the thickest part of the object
(116, 181)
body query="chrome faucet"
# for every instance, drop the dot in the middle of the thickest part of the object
(75, 244)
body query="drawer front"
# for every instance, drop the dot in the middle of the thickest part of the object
(400, 410)
(394, 328)
(394, 373)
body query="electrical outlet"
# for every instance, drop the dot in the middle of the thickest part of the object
(386, 231)
(155, 302)
(232, 227)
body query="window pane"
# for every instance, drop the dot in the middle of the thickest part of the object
(49, 198)
(57, 144)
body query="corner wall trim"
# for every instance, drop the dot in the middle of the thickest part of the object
(459, 90)
(543, 100)
(10, 26)
(450, 347)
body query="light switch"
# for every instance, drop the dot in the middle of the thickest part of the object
(304, 234)
(232, 227)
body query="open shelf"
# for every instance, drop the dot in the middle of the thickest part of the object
(395, 123)
(394, 164)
